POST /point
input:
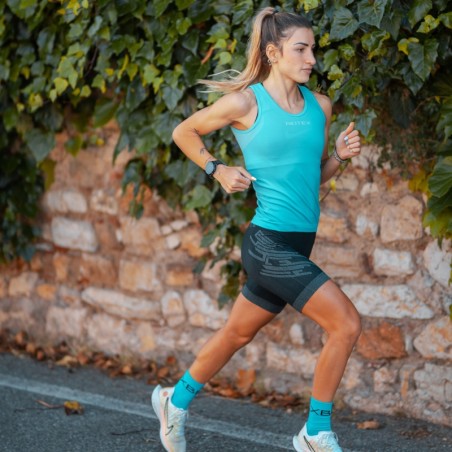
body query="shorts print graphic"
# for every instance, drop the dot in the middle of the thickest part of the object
(278, 267)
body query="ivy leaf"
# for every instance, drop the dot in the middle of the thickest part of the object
(40, 143)
(344, 24)
(423, 57)
(160, 6)
(200, 196)
(104, 110)
(371, 12)
(364, 121)
(440, 182)
(48, 168)
(418, 11)
(446, 19)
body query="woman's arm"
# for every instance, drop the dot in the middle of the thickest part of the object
(230, 109)
(344, 151)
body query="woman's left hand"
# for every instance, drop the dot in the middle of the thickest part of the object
(348, 144)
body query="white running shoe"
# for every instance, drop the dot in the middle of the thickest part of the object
(172, 420)
(323, 442)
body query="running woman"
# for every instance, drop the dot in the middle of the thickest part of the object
(282, 129)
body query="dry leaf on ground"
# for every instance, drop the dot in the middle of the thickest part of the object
(72, 407)
(369, 425)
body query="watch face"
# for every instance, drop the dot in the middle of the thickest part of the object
(210, 168)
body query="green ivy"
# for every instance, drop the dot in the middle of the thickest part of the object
(77, 64)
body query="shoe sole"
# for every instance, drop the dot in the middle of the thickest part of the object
(157, 406)
(297, 446)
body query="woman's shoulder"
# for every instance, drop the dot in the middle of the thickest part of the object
(240, 102)
(324, 102)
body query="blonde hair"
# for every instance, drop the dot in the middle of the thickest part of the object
(270, 26)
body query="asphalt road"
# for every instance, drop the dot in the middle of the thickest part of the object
(118, 417)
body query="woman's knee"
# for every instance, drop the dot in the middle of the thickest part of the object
(236, 336)
(349, 328)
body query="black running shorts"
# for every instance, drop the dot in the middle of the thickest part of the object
(278, 268)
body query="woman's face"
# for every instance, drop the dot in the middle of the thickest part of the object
(297, 57)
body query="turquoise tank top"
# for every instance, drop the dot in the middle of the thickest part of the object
(283, 151)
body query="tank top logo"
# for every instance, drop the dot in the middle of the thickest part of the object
(298, 123)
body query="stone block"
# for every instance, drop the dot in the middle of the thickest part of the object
(298, 361)
(365, 227)
(369, 188)
(333, 227)
(135, 275)
(393, 263)
(61, 264)
(74, 234)
(367, 158)
(338, 261)
(178, 225)
(435, 341)
(23, 284)
(431, 382)
(95, 269)
(3, 287)
(191, 242)
(69, 295)
(296, 334)
(179, 276)
(384, 341)
(393, 301)
(173, 308)
(203, 311)
(139, 235)
(166, 229)
(106, 233)
(437, 260)
(63, 323)
(347, 182)
(104, 201)
(46, 291)
(384, 379)
(173, 241)
(402, 221)
(353, 375)
(66, 200)
(121, 305)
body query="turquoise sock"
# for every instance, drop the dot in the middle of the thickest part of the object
(319, 419)
(185, 391)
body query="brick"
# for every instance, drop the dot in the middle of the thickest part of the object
(23, 284)
(135, 275)
(66, 200)
(333, 227)
(402, 221)
(394, 301)
(116, 303)
(95, 269)
(437, 260)
(384, 341)
(393, 263)
(435, 340)
(203, 311)
(74, 234)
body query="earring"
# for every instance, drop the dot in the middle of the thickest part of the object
(269, 62)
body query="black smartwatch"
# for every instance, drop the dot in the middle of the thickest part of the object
(211, 167)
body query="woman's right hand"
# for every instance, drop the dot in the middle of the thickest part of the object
(233, 178)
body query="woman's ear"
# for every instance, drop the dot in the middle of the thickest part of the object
(272, 53)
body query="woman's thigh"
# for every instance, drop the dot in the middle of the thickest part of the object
(332, 309)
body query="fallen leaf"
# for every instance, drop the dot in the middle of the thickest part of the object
(72, 407)
(67, 361)
(369, 425)
(48, 405)
(163, 372)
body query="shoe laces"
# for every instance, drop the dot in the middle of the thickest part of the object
(328, 441)
(177, 418)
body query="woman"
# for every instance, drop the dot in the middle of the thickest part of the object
(282, 129)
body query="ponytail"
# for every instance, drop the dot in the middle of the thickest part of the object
(269, 27)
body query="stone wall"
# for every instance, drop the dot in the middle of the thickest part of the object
(105, 282)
